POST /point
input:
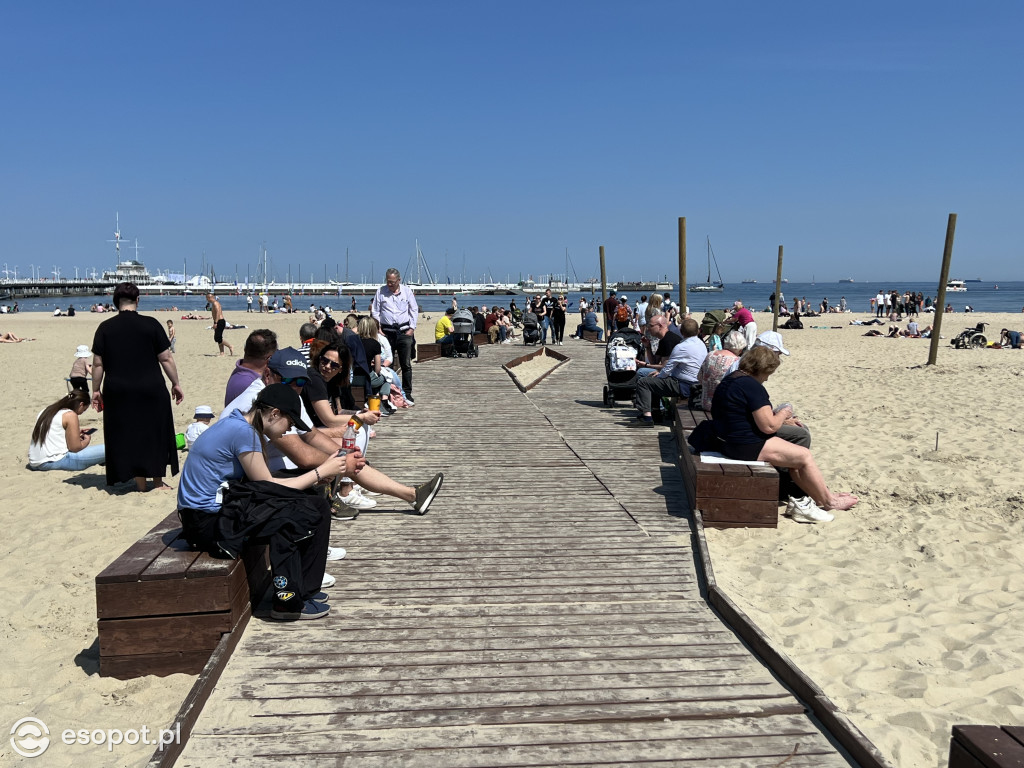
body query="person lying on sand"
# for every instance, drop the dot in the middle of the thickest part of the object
(9, 338)
(194, 316)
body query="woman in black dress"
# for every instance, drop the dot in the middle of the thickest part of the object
(129, 351)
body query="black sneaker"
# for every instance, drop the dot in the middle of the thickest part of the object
(426, 493)
(310, 610)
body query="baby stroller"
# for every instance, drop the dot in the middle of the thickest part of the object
(971, 338)
(531, 328)
(462, 336)
(620, 364)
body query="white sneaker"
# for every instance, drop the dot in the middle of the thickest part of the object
(804, 510)
(328, 579)
(355, 500)
(335, 553)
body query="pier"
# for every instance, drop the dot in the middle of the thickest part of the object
(549, 610)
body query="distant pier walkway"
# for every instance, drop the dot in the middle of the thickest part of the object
(546, 611)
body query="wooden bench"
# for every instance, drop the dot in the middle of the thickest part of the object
(425, 352)
(591, 336)
(986, 746)
(727, 495)
(162, 607)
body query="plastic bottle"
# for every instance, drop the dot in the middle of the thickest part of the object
(348, 441)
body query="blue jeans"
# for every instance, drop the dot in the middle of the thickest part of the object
(646, 372)
(545, 323)
(581, 328)
(87, 457)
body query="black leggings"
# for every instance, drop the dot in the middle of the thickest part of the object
(558, 323)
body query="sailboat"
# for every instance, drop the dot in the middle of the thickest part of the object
(708, 285)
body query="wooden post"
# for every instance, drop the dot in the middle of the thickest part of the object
(778, 290)
(604, 294)
(682, 265)
(940, 301)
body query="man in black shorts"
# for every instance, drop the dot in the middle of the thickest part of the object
(219, 324)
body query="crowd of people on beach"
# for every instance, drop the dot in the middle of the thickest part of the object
(286, 456)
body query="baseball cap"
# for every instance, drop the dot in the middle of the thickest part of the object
(288, 363)
(202, 410)
(284, 398)
(772, 340)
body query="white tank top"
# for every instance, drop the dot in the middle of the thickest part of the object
(54, 447)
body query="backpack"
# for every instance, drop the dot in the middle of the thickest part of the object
(622, 314)
(621, 356)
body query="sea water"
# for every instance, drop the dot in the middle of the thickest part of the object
(982, 297)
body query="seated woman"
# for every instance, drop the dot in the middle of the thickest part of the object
(58, 440)
(718, 364)
(378, 384)
(746, 423)
(295, 525)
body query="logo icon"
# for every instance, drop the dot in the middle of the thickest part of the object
(30, 737)
(280, 582)
(285, 596)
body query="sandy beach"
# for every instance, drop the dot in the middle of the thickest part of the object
(905, 610)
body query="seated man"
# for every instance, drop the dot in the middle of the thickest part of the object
(678, 374)
(589, 324)
(445, 328)
(658, 328)
(306, 333)
(494, 329)
(259, 346)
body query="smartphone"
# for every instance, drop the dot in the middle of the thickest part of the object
(88, 431)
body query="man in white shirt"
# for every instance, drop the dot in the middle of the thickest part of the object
(678, 374)
(394, 307)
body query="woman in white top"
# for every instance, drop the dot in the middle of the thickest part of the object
(58, 440)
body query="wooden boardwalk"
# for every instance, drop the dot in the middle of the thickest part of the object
(546, 611)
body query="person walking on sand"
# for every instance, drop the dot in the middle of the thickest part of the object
(219, 324)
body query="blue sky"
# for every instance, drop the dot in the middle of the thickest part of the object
(504, 133)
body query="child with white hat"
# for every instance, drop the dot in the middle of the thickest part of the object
(81, 369)
(203, 416)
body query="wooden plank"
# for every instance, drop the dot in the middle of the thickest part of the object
(166, 596)
(167, 754)
(739, 512)
(139, 555)
(986, 746)
(158, 664)
(162, 634)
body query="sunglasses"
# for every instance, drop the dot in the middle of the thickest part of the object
(331, 365)
(299, 381)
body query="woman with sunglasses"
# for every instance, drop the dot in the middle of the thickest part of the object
(328, 364)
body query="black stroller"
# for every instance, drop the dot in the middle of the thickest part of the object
(462, 336)
(531, 328)
(621, 360)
